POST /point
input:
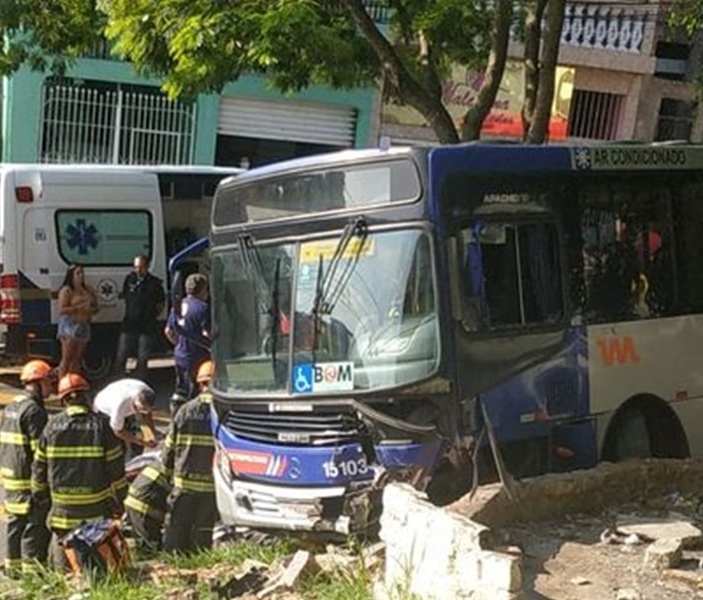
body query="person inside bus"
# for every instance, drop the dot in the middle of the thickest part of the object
(188, 329)
(77, 305)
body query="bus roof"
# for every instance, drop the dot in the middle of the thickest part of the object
(496, 156)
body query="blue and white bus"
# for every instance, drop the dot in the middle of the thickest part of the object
(374, 310)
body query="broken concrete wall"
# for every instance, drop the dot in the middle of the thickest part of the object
(586, 491)
(435, 554)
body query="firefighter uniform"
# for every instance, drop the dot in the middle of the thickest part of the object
(187, 456)
(146, 504)
(23, 421)
(79, 465)
(22, 424)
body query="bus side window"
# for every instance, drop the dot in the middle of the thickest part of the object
(511, 275)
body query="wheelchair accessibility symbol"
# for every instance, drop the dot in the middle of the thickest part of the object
(302, 379)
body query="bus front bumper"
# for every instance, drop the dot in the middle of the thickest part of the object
(334, 510)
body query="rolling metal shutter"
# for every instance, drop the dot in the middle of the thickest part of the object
(293, 121)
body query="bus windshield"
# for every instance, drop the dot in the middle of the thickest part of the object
(355, 312)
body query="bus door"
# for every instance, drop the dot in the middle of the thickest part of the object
(507, 295)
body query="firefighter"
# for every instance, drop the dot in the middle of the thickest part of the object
(146, 505)
(187, 456)
(23, 421)
(78, 467)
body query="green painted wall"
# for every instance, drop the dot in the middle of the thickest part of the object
(21, 116)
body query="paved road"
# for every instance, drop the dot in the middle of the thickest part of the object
(160, 375)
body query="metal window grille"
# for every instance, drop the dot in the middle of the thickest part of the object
(673, 128)
(675, 120)
(103, 123)
(595, 115)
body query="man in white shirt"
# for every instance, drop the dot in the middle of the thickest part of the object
(123, 401)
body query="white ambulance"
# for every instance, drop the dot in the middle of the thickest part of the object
(98, 216)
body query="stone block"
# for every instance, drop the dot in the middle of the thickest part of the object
(663, 554)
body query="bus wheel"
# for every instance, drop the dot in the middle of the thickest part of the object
(645, 427)
(97, 365)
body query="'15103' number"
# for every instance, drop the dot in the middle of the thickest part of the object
(345, 468)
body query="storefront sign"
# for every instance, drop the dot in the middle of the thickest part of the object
(459, 94)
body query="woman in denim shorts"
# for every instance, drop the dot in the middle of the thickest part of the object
(77, 305)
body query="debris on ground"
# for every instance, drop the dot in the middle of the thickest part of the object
(648, 550)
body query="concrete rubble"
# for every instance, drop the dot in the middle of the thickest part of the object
(254, 580)
(453, 553)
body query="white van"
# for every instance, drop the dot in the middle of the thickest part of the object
(99, 216)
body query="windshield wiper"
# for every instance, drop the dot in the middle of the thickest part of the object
(328, 291)
(275, 314)
(251, 260)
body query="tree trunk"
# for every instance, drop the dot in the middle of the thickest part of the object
(474, 117)
(533, 39)
(539, 128)
(403, 86)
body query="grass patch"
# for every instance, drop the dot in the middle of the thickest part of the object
(344, 584)
(338, 586)
(234, 554)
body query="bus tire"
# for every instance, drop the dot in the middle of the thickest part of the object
(644, 427)
(97, 365)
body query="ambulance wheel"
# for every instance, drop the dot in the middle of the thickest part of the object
(97, 365)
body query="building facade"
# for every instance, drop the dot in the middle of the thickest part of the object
(101, 111)
(623, 75)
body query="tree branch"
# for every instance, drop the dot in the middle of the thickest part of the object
(539, 127)
(403, 84)
(474, 117)
(533, 40)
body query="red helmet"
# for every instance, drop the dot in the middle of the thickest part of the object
(72, 382)
(205, 372)
(35, 370)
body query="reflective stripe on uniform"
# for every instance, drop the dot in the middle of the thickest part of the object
(80, 498)
(120, 483)
(113, 454)
(17, 508)
(18, 439)
(143, 508)
(17, 485)
(156, 476)
(191, 485)
(74, 452)
(37, 487)
(189, 439)
(61, 522)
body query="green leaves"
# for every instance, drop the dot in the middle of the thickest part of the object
(688, 15)
(198, 46)
(46, 33)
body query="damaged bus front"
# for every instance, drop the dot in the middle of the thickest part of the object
(335, 340)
